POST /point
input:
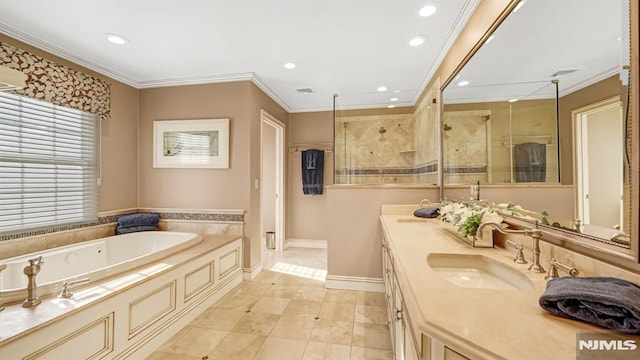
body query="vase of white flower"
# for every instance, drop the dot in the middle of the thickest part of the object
(463, 221)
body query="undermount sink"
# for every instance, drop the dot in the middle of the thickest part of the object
(477, 271)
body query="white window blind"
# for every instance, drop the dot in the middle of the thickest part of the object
(48, 165)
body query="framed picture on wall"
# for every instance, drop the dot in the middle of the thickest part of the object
(202, 143)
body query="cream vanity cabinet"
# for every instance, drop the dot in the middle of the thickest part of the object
(406, 343)
(403, 339)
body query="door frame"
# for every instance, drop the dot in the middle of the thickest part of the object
(580, 167)
(270, 120)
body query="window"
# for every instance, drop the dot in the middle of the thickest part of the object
(48, 165)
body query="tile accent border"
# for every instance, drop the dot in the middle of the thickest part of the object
(422, 169)
(111, 217)
(466, 169)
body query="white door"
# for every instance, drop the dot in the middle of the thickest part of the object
(599, 166)
(272, 178)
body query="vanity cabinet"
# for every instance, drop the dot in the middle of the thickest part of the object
(405, 342)
(403, 338)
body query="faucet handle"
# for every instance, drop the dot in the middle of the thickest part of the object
(553, 269)
(519, 259)
(65, 293)
(36, 261)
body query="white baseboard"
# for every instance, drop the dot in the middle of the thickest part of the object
(251, 273)
(305, 243)
(354, 283)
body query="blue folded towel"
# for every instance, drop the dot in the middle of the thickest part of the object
(427, 212)
(604, 301)
(137, 222)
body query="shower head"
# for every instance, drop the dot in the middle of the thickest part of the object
(382, 130)
(447, 127)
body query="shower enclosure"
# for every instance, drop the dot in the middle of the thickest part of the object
(502, 141)
(385, 145)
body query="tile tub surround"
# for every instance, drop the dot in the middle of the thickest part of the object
(480, 323)
(204, 222)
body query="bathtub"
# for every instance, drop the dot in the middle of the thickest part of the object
(127, 315)
(92, 260)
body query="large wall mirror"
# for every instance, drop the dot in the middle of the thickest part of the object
(545, 102)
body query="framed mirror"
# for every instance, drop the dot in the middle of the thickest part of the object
(546, 103)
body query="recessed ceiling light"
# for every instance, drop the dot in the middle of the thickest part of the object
(513, 100)
(391, 106)
(116, 39)
(393, 99)
(417, 41)
(382, 88)
(522, 2)
(428, 10)
(396, 91)
(290, 65)
(489, 39)
(463, 83)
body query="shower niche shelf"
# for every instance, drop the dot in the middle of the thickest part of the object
(408, 155)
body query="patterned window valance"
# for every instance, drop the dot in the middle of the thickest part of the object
(58, 84)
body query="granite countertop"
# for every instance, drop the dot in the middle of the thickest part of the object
(479, 323)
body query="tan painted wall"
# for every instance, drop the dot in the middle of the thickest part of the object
(119, 138)
(231, 188)
(353, 248)
(196, 188)
(307, 215)
(557, 200)
(599, 91)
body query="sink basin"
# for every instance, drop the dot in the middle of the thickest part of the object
(477, 271)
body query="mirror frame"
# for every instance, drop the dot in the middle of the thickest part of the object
(580, 243)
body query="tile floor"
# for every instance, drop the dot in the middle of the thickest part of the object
(286, 313)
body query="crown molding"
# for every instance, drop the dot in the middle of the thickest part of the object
(194, 80)
(52, 49)
(257, 81)
(589, 81)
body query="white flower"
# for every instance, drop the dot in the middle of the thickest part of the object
(491, 216)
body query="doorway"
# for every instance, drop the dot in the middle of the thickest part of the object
(598, 133)
(272, 154)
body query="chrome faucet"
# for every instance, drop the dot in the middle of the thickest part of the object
(31, 271)
(535, 234)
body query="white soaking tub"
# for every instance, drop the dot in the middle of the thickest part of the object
(93, 260)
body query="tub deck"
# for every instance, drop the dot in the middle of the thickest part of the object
(17, 322)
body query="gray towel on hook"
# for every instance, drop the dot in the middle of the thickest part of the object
(312, 171)
(604, 301)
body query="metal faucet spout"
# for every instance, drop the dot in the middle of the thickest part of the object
(31, 271)
(535, 234)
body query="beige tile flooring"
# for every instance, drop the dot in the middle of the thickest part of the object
(286, 313)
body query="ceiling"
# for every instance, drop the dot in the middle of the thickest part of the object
(345, 47)
(547, 40)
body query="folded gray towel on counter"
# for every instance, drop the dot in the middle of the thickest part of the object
(604, 301)
(427, 212)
